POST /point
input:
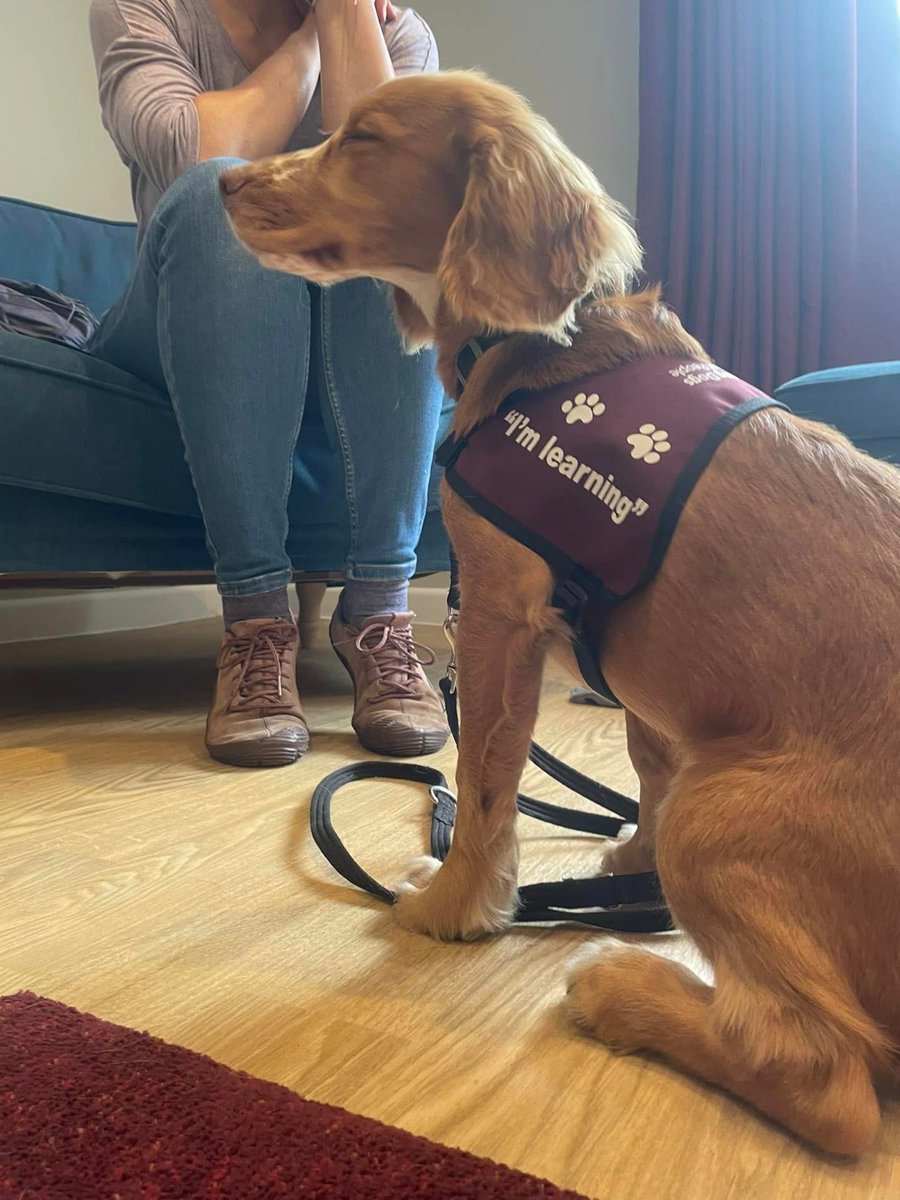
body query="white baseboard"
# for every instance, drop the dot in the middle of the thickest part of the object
(29, 616)
(35, 616)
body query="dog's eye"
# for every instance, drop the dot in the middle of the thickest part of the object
(360, 135)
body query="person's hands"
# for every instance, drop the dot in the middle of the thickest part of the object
(384, 9)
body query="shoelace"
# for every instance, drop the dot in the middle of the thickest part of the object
(394, 658)
(262, 669)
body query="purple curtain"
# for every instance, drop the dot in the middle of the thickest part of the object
(769, 178)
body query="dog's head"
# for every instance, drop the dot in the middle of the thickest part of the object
(451, 188)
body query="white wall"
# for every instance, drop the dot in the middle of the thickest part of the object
(53, 148)
(575, 60)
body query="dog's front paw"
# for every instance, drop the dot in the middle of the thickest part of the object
(629, 854)
(417, 907)
(432, 902)
(419, 875)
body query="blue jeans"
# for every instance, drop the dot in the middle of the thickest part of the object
(236, 347)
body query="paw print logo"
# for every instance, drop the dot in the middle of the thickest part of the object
(583, 408)
(649, 444)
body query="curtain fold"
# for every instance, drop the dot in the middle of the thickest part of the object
(769, 178)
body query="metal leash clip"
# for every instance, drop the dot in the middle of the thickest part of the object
(450, 634)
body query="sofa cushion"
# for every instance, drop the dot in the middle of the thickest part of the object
(46, 533)
(75, 425)
(82, 257)
(863, 402)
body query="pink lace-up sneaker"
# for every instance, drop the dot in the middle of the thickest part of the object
(256, 719)
(396, 710)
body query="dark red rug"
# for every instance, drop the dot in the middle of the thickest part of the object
(94, 1111)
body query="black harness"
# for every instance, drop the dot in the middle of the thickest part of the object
(623, 903)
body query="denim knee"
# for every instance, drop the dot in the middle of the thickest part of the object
(190, 223)
(197, 190)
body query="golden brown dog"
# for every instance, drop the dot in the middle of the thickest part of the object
(760, 670)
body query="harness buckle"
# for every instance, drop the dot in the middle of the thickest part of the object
(571, 599)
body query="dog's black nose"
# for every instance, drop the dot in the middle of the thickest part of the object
(231, 182)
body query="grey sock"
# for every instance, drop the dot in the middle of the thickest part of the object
(260, 604)
(364, 598)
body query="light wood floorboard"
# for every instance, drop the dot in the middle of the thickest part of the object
(146, 884)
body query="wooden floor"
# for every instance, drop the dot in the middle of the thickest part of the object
(145, 884)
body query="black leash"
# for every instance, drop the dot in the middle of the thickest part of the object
(442, 818)
(625, 903)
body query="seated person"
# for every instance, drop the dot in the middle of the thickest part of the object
(188, 88)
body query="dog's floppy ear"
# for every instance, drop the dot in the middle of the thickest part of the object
(415, 332)
(535, 234)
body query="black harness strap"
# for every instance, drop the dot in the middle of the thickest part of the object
(470, 354)
(571, 599)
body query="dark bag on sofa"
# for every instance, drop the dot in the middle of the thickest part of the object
(39, 312)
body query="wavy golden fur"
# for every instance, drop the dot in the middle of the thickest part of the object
(760, 671)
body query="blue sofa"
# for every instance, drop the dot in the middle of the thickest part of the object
(92, 471)
(93, 481)
(862, 401)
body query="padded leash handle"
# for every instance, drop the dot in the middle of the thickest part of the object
(619, 903)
